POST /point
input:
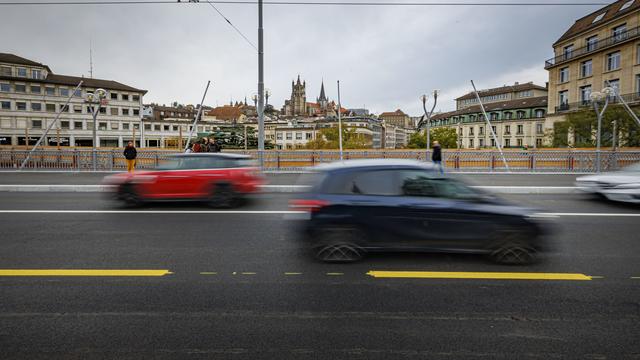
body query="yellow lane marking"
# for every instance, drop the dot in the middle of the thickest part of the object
(477, 275)
(635, 277)
(208, 273)
(335, 273)
(81, 272)
(293, 273)
(248, 273)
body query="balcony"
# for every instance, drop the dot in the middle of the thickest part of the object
(586, 104)
(594, 47)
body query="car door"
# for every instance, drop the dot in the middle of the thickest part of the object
(180, 182)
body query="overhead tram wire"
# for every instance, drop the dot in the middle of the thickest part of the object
(233, 26)
(301, 3)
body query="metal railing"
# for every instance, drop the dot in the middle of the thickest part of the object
(593, 47)
(574, 161)
(588, 104)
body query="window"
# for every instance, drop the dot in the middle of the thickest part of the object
(136, 126)
(77, 93)
(36, 106)
(481, 132)
(309, 136)
(35, 89)
(538, 142)
(563, 97)
(49, 90)
(493, 142)
(619, 33)
(507, 142)
(470, 143)
(4, 87)
(125, 112)
(156, 127)
(21, 88)
(521, 114)
(89, 125)
(507, 129)
(539, 128)
(567, 51)
(520, 130)
(64, 124)
(539, 113)
(102, 126)
(494, 116)
(508, 115)
(481, 142)
(599, 17)
(5, 71)
(21, 106)
(103, 110)
(6, 105)
(298, 136)
(495, 131)
(592, 43)
(279, 136)
(175, 127)
(136, 112)
(615, 84)
(470, 131)
(77, 109)
(64, 92)
(114, 125)
(114, 111)
(36, 74)
(167, 128)
(368, 183)
(626, 5)
(125, 97)
(22, 72)
(36, 124)
(137, 98)
(638, 84)
(289, 136)
(585, 93)
(586, 68)
(114, 96)
(564, 74)
(146, 126)
(613, 61)
(519, 142)
(77, 125)
(125, 126)
(638, 54)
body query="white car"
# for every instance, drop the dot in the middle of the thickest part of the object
(623, 185)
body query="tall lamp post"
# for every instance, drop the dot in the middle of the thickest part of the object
(426, 119)
(93, 99)
(597, 97)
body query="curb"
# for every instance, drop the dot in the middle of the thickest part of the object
(531, 190)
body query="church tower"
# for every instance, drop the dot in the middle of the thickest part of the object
(323, 102)
(298, 97)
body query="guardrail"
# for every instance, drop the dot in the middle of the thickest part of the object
(279, 160)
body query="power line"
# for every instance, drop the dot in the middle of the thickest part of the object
(302, 3)
(233, 26)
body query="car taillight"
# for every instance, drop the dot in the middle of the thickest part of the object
(307, 205)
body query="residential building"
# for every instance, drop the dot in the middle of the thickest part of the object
(31, 96)
(397, 118)
(229, 113)
(600, 49)
(518, 118)
(169, 126)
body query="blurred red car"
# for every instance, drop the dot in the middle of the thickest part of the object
(222, 180)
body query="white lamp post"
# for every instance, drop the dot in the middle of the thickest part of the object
(596, 97)
(95, 98)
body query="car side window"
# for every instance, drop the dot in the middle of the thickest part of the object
(420, 183)
(381, 182)
(417, 183)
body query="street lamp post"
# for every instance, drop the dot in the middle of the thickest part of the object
(427, 117)
(94, 99)
(596, 97)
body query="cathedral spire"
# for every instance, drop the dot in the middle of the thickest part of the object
(298, 79)
(322, 95)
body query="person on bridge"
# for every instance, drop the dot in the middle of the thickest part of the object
(130, 154)
(436, 156)
(214, 146)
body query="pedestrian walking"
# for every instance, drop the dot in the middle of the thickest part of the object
(436, 156)
(196, 147)
(130, 154)
(205, 145)
(214, 145)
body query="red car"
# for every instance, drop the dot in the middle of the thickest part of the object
(222, 180)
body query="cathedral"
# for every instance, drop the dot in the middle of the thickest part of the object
(297, 105)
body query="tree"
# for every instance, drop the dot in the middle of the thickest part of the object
(329, 139)
(447, 137)
(584, 124)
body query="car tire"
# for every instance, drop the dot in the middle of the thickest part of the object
(514, 253)
(129, 196)
(223, 197)
(338, 246)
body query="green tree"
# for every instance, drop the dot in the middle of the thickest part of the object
(329, 139)
(447, 137)
(585, 124)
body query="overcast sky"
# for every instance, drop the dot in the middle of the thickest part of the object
(384, 57)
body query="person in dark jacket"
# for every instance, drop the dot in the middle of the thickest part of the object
(436, 156)
(130, 154)
(214, 146)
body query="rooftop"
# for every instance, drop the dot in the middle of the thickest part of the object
(504, 90)
(540, 101)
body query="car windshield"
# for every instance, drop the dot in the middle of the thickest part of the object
(203, 162)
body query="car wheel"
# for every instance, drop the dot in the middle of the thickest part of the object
(514, 253)
(339, 246)
(223, 196)
(129, 195)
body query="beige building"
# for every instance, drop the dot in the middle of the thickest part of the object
(517, 114)
(31, 96)
(397, 118)
(602, 46)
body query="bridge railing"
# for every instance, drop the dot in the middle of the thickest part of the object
(560, 161)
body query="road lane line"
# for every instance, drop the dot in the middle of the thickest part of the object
(81, 272)
(293, 273)
(635, 277)
(150, 212)
(595, 214)
(476, 275)
(208, 273)
(248, 273)
(335, 274)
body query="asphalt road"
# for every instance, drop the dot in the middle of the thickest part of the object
(240, 287)
(89, 178)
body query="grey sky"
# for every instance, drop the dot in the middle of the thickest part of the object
(384, 57)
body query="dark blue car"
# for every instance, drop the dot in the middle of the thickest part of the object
(361, 206)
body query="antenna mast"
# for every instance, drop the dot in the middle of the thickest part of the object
(90, 59)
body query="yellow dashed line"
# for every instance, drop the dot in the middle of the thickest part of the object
(477, 275)
(248, 273)
(293, 273)
(81, 272)
(208, 273)
(335, 273)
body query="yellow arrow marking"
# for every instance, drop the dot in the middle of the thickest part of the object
(476, 275)
(81, 272)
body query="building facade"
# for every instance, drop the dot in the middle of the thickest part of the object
(598, 50)
(31, 96)
(517, 114)
(397, 118)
